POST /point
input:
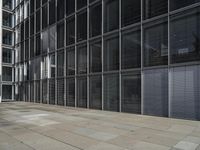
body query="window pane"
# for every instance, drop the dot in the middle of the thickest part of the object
(52, 11)
(131, 12)
(38, 45)
(111, 54)
(32, 47)
(52, 91)
(111, 15)
(26, 29)
(131, 49)
(60, 35)
(95, 57)
(6, 73)
(155, 92)
(7, 55)
(185, 92)
(131, 93)
(60, 64)
(96, 20)
(60, 91)
(7, 19)
(82, 59)
(32, 5)
(82, 92)
(32, 27)
(111, 92)
(6, 92)
(38, 3)
(81, 3)
(156, 44)
(45, 42)
(176, 4)
(184, 37)
(154, 8)
(60, 9)
(37, 91)
(70, 31)
(52, 65)
(52, 38)
(70, 61)
(70, 92)
(95, 92)
(7, 37)
(44, 17)
(38, 21)
(82, 26)
(70, 6)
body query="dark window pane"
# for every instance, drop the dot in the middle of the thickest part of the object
(131, 93)
(27, 49)
(70, 92)
(81, 3)
(95, 20)
(111, 54)
(131, 49)
(131, 12)
(32, 5)
(70, 58)
(95, 57)
(38, 21)
(82, 59)
(82, 26)
(70, 31)
(60, 35)
(52, 91)
(176, 4)
(82, 92)
(60, 92)
(44, 1)
(185, 37)
(52, 12)
(32, 47)
(60, 9)
(111, 92)
(7, 37)
(26, 29)
(70, 6)
(154, 8)
(96, 92)
(38, 3)
(155, 92)
(52, 65)
(37, 91)
(6, 55)
(7, 34)
(38, 45)
(60, 64)
(156, 44)
(44, 17)
(6, 92)
(32, 27)
(111, 15)
(6, 73)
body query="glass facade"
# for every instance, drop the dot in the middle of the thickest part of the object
(115, 55)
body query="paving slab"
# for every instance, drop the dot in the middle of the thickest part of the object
(27, 126)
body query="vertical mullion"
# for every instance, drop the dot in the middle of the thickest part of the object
(88, 49)
(141, 28)
(75, 55)
(120, 35)
(102, 55)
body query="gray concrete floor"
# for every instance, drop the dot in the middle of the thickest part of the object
(26, 126)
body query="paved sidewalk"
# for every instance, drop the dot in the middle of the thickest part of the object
(26, 126)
